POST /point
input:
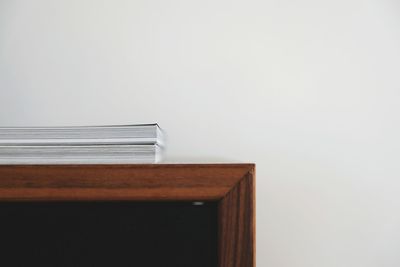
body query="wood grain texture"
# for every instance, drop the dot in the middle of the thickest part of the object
(237, 224)
(119, 182)
(232, 185)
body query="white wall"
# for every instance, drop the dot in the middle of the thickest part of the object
(309, 90)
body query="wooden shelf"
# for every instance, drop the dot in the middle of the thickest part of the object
(231, 185)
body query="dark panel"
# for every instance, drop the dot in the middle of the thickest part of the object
(74, 234)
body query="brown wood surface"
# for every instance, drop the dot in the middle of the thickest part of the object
(237, 224)
(232, 185)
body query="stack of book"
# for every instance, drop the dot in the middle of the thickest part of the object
(121, 144)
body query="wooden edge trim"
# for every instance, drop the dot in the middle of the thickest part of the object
(151, 182)
(237, 224)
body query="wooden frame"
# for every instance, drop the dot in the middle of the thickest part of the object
(232, 185)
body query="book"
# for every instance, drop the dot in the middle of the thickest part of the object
(82, 154)
(114, 134)
(115, 144)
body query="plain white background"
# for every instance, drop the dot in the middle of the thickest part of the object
(308, 90)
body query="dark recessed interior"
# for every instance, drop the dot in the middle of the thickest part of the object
(75, 234)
